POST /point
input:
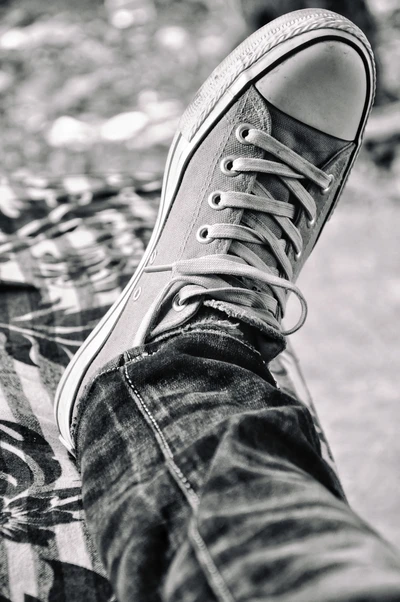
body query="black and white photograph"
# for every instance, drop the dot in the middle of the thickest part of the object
(199, 301)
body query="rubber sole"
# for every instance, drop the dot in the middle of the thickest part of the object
(248, 62)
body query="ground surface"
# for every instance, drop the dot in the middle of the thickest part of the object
(80, 94)
(349, 350)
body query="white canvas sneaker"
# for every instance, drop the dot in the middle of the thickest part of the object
(254, 172)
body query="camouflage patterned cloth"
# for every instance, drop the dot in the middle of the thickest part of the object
(67, 248)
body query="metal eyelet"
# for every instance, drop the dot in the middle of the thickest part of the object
(177, 304)
(298, 255)
(242, 132)
(214, 200)
(311, 222)
(136, 293)
(153, 257)
(226, 167)
(202, 235)
(327, 189)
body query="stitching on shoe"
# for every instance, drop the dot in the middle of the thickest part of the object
(265, 118)
(335, 163)
(250, 51)
(207, 179)
(179, 477)
(221, 244)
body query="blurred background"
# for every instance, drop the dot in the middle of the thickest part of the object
(88, 86)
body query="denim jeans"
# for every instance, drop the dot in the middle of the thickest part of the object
(203, 481)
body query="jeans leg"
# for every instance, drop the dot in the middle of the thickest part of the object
(203, 481)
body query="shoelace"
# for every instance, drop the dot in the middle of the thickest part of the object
(206, 276)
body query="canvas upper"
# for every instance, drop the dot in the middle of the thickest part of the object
(191, 210)
(255, 171)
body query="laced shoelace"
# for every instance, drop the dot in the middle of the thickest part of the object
(213, 276)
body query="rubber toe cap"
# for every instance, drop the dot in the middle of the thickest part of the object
(324, 86)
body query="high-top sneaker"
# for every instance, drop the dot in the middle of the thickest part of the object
(254, 172)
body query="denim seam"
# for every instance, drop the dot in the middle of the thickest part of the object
(205, 560)
(229, 336)
(191, 329)
(182, 480)
(132, 359)
(113, 369)
(199, 327)
(204, 557)
(79, 407)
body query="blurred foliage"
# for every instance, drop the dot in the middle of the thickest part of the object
(93, 86)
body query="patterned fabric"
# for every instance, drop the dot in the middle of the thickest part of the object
(67, 248)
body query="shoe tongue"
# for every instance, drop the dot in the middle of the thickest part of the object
(311, 144)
